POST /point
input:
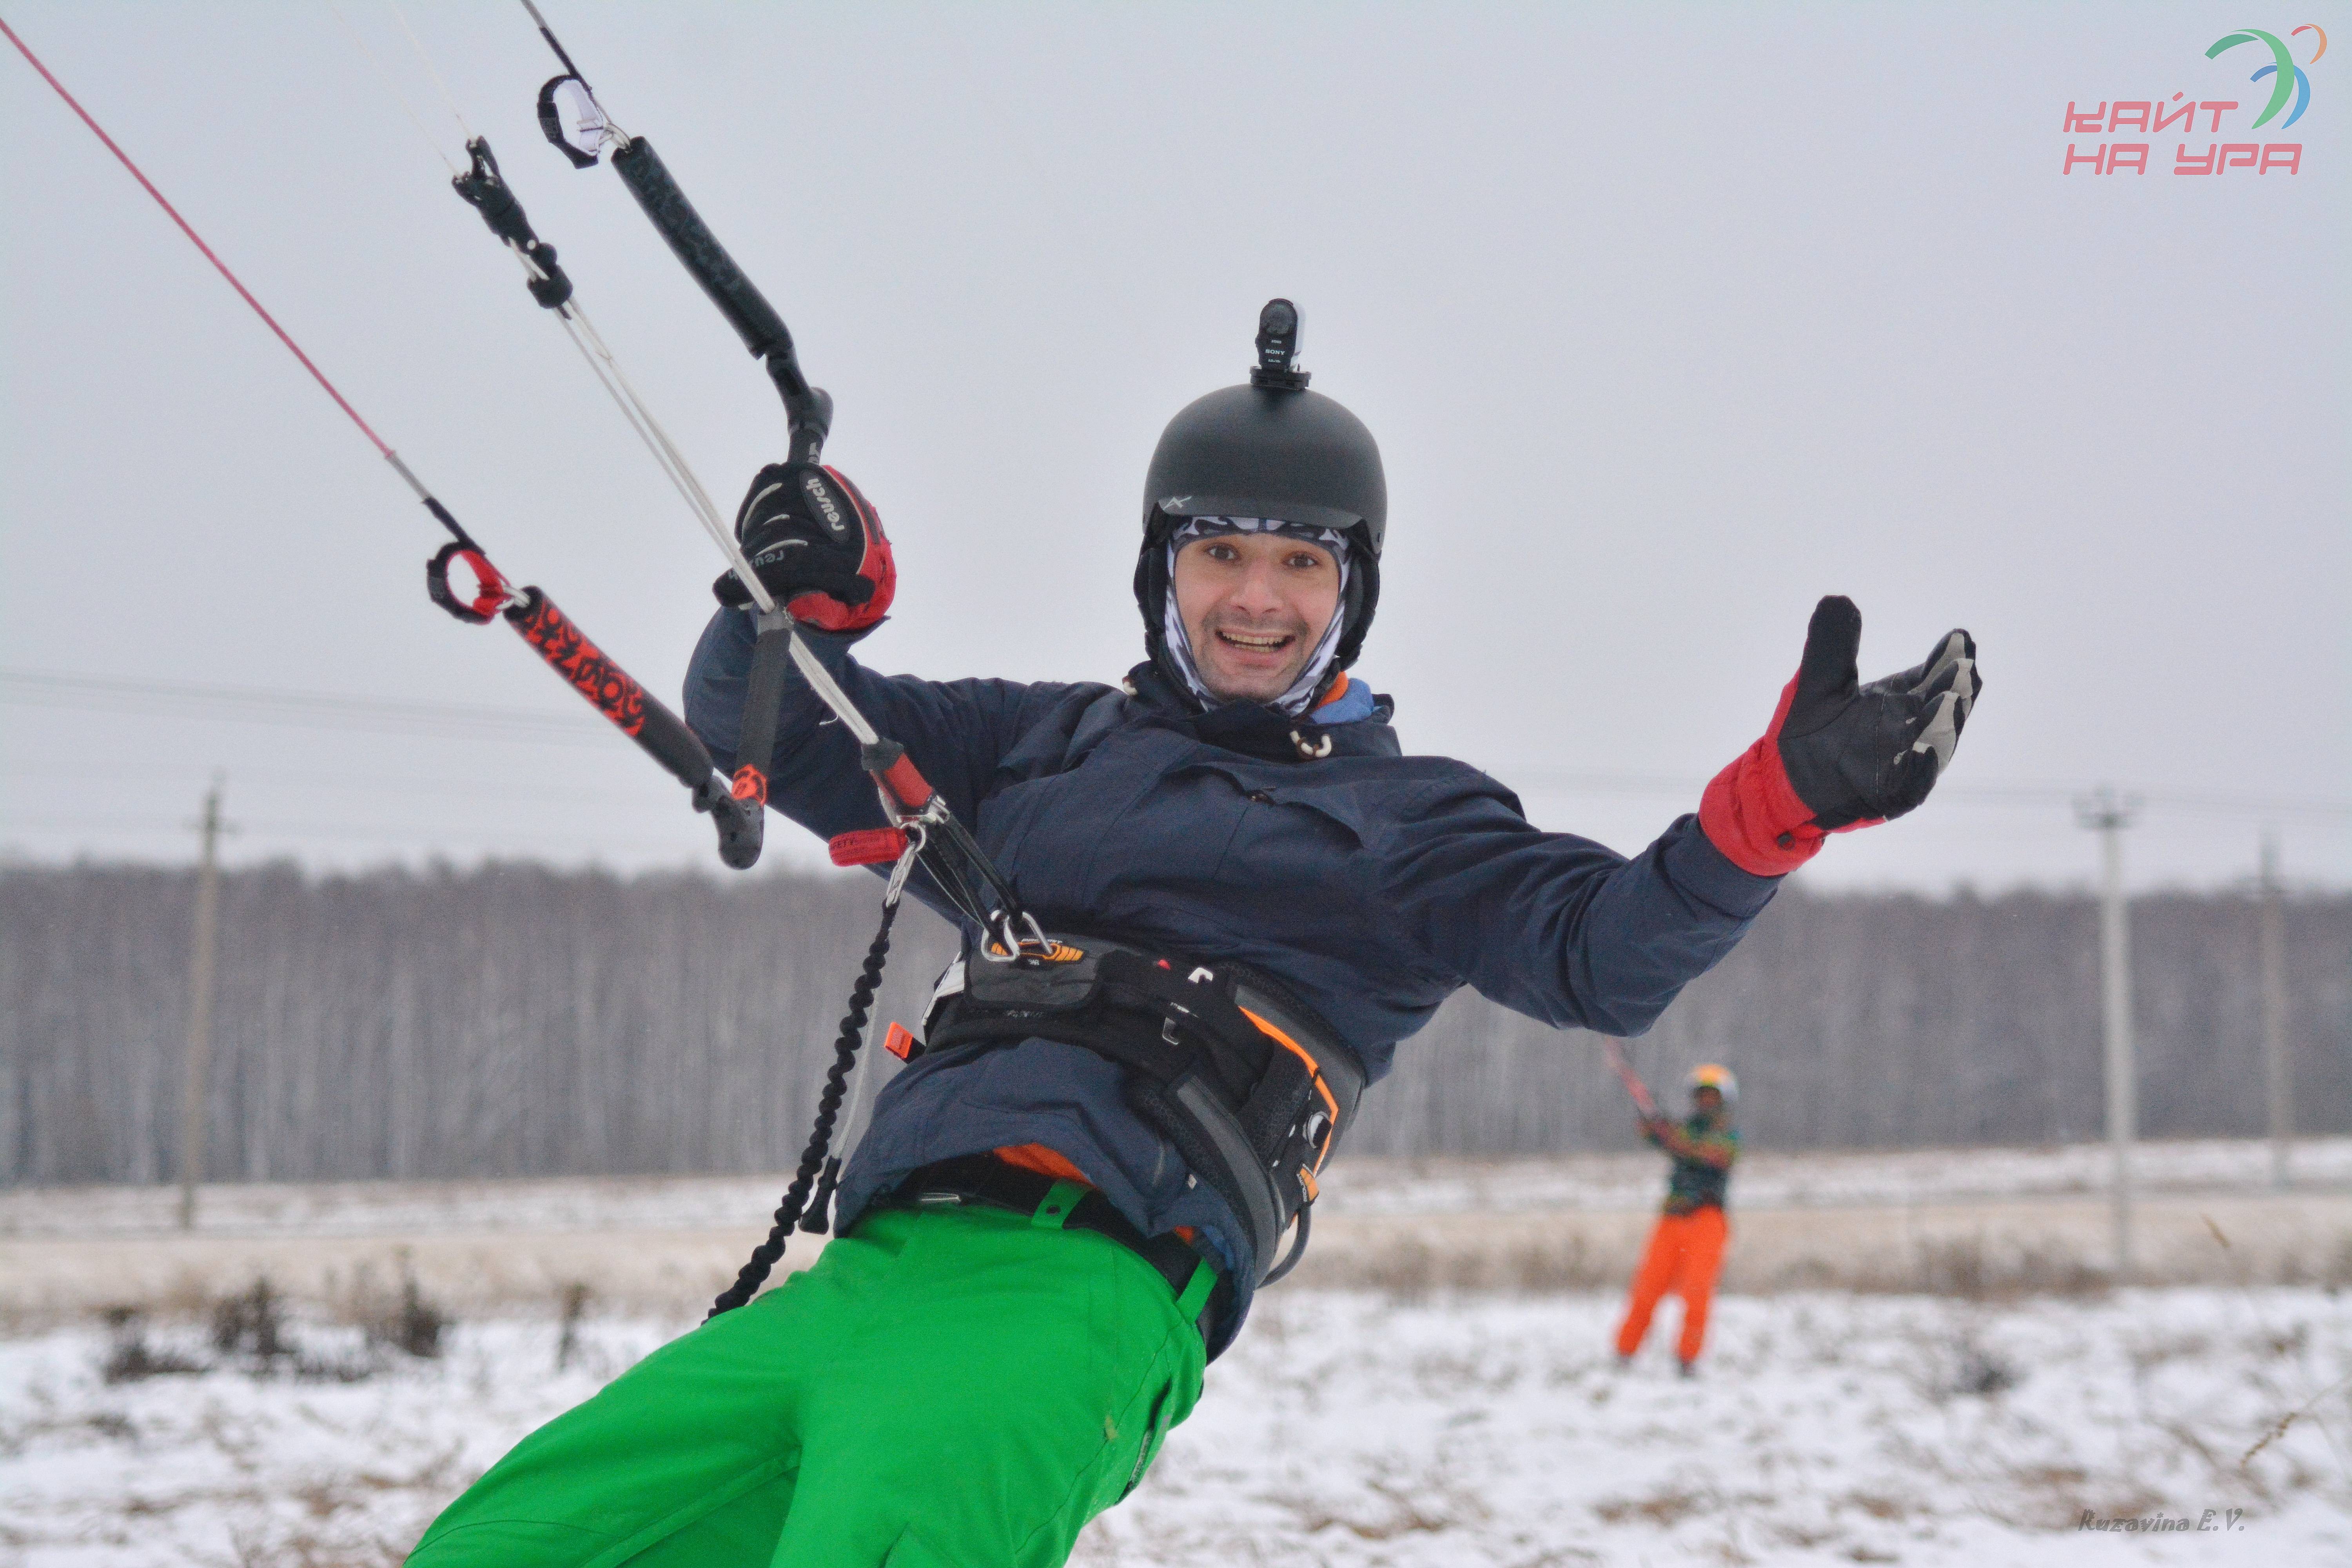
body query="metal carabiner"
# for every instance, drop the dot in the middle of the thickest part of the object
(1007, 945)
(916, 837)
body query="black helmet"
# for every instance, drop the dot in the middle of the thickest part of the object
(1268, 449)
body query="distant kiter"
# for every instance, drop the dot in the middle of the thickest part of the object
(1685, 1251)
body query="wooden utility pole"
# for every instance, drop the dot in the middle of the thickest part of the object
(2110, 814)
(201, 966)
(2277, 1069)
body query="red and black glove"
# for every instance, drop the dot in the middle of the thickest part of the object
(1840, 755)
(816, 545)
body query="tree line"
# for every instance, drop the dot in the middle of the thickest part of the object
(514, 1020)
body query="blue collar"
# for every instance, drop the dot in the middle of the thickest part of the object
(1356, 702)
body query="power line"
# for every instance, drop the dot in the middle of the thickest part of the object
(302, 709)
(2037, 795)
(494, 783)
(264, 827)
(333, 710)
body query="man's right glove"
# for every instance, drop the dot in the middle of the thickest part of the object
(1840, 755)
(816, 545)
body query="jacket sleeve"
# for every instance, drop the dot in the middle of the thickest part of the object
(1558, 927)
(956, 731)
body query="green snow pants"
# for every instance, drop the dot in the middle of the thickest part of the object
(949, 1387)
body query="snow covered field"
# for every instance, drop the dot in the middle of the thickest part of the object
(1353, 1428)
(1971, 1221)
(1414, 1423)
(1769, 1178)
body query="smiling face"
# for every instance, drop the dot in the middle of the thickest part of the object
(1254, 606)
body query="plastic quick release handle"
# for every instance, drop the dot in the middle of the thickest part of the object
(690, 239)
(912, 790)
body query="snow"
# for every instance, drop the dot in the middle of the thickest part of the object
(1780, 1178)
(1769, 1178)
(1981, 1219)
(238, 1467)
(1420, 1422)
(1825, 1428)
(1352, 1427)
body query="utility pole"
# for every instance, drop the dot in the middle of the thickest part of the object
(2277, 1068)
(201, 966)
(2110, 814)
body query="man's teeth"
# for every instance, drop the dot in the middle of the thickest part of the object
(1258, 644)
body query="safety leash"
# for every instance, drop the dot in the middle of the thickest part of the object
(809, 1195)
(550, 633)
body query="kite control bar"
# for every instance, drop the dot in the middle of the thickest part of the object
(1643, 1102)
(576, 124)
(578, 127)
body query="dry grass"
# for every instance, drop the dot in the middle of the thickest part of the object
(1413, 1264)
(1664, 1509)
(253, 1332)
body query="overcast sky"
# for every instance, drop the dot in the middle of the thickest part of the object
(1668, 320)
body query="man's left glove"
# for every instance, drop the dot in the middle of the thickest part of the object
(816, 545)
(1840, 755)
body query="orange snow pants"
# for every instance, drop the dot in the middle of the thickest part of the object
(1686, 1254)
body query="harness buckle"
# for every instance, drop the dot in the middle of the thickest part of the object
(1012, 946)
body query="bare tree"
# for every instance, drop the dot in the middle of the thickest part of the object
(513, 1020)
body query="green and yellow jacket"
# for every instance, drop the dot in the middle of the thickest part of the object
(1704, 1148)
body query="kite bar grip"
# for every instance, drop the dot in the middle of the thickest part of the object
(690, 239)
(615, 693)
(809, 410)
(806, 407)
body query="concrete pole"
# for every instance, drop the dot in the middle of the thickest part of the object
(201, 967)
(2110, 814)
(2277, 1070)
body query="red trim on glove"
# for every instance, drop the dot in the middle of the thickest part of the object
(1752, 812)
(877, 567)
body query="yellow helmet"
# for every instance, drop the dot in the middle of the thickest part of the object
(1716, 1077)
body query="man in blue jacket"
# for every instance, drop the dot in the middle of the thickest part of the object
(1036, 1249)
